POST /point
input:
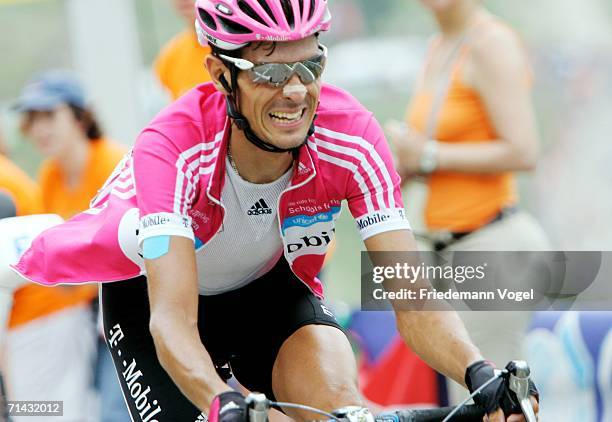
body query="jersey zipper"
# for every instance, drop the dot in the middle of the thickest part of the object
(210, 197)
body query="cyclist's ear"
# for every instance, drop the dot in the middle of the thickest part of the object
(219, 73)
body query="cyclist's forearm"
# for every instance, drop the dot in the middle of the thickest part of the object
(182, 355)
(440, 339)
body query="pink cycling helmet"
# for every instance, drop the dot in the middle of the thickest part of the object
(232, 24)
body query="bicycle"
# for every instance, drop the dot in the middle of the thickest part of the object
(518, 382)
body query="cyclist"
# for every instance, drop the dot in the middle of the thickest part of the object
(234, 190)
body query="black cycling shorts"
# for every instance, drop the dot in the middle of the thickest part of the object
(243, 329)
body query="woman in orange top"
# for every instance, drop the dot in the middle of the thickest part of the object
(477, 104)
(469, 127)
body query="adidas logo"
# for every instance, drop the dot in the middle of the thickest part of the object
(202, 418)
(260, 207)
(302, 169)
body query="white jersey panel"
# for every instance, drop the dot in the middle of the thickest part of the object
(16, 235)
(249, 243)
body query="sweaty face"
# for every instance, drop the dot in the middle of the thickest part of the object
(280, 116)
(52, 132)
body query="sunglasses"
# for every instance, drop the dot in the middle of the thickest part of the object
(278, 74)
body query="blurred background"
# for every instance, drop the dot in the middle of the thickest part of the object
(376, 49)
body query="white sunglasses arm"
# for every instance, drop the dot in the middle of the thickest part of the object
(241, 64)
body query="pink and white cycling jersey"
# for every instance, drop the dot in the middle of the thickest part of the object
(171, 183)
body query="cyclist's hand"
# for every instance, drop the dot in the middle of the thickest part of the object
(499, 415)
(496, 399)
(228, 407)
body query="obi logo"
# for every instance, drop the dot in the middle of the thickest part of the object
(314, 241)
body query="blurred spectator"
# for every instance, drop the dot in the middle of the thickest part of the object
(78, 157)
(56, 117)
(470, 126)
(570, 354)
(180, 64)
(18, 185)
(349, 21)
(19, 195)
(580, 153)
(3, 145)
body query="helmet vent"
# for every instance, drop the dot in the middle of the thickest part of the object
(301, 5)
(224, 9)
(207, 19)
(265, 6)
(248, 10)
(312, 9)
(288, 10)
(233, 27)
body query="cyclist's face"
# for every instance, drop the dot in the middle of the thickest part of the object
(281, 116)
(54, 131)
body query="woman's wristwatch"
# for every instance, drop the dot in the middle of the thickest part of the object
(429, 157)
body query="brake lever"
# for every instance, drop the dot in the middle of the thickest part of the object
(518, 382)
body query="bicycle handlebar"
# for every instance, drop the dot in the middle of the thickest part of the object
(518, 383)
(259, 406)
(470, 413)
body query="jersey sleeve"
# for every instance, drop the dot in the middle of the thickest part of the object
(166, 184)
(374, 194)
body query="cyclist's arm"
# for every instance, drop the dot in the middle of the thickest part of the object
(502, 80)
(438, 337)
(173, 296)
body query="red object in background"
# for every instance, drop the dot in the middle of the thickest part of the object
(399, 377)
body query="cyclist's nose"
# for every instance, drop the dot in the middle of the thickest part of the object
(295, 90)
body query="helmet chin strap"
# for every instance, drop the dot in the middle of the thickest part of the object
(243, 124)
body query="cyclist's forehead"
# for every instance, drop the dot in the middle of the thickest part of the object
(282, 52)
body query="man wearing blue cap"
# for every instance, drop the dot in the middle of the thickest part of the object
(55, 115)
